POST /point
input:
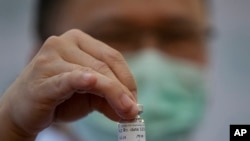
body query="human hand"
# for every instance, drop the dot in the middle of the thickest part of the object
(72, 75)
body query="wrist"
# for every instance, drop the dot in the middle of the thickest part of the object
(9, 131)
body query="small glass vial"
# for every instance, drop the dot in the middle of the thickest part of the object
(132, 130)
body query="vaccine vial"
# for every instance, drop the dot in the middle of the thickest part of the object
(132, 130)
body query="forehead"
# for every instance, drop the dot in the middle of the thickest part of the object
(85, 12)
(90, 5)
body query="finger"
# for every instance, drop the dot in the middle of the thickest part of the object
(103, 52)
(103, 106)
(79, 105)
(61, 88)
(47, 68)
(72, 54)
(56, 48)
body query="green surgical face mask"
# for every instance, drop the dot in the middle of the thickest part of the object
(173, 95)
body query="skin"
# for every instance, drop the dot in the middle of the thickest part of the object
(74, 74)
(177, 27)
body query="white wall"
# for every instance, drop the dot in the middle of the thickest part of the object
(230, 60)
(15, 38)
(230, 96)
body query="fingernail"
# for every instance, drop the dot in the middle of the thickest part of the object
(135, 109)
(126, 101)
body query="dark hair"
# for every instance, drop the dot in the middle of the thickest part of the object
(45, 13)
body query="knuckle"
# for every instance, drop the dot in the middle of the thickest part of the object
(41, 61)
(114, 55)
(75, 67)
(101, 67)
(80, 69)
(74, 32)
(87, 70)
(52, 40)
(112, 84)
(130, 81)
(58, 84)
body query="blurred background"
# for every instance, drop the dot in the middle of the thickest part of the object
(229, 78)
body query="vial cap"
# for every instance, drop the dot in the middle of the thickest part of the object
(140, 108)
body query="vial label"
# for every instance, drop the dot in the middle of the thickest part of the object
(134, 131)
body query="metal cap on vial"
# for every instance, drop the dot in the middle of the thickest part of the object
(140, 107)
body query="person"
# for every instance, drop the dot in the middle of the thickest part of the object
(83, 65)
